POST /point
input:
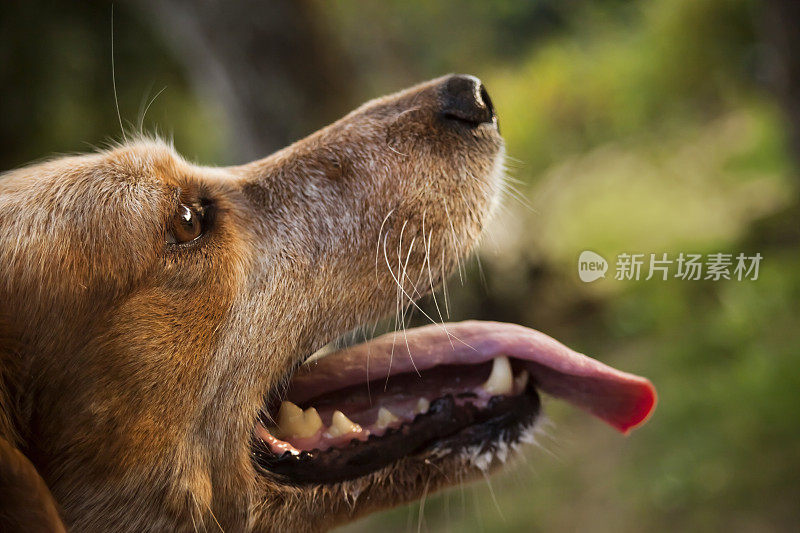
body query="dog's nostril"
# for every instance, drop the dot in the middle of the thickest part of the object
(486, 100)
(464, 98)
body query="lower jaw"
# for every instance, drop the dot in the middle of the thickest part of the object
(448, 428)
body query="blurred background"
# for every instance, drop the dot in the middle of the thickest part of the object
(651, 126)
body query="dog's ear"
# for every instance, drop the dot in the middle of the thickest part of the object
(25, 501)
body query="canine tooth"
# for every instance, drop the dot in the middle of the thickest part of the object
(501, 379)
(341, 425)
(288, 414)
(422, 406)
(385, 418)
(521, 381)
(294, 422)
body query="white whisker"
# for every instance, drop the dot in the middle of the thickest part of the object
(412, 302)
(444, 288)
(455, 242)
(114, 78)
(422, 507)
(378, 245)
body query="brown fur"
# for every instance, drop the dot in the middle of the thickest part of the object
(132, 372)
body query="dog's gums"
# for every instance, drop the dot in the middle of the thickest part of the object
(156, 321)
(448, 425)
(406, 412)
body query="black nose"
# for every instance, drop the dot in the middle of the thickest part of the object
(464, 98)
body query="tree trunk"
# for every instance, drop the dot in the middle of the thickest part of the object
(782, 31)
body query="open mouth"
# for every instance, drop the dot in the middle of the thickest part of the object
(439, 389)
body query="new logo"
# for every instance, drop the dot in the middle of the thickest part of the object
(591, 266)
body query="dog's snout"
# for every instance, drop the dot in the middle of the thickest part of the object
(465, 99)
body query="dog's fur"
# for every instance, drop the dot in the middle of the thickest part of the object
(132, 370)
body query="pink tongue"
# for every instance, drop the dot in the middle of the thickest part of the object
(623, 400)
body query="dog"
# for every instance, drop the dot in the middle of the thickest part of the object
(166, 356)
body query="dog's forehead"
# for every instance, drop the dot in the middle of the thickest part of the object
(151, 163)
(146, 169)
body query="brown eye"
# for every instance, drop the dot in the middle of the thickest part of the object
(185, 226)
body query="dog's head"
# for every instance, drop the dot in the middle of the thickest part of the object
(158, 313)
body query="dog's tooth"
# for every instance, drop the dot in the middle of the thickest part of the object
(521, 381)
(311, 422)
(501, 379)
(422, 406)
(385, 418)
(294, 422)
(289, 414)
(341, 425)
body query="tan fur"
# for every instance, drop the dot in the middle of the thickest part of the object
(133, 371)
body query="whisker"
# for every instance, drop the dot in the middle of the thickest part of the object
(214, 517)
(411, 301)
(391, 353)
(402, 268)
(481, 273)
(147, 108)
(517, 195)
(114, 78)
(401, 287)
(422, 507)
(395, 151)
(191, 513)
(455, 241)
(369, 353)
(378, 245)
(494, 496)
(444, 288)
(430, 277)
